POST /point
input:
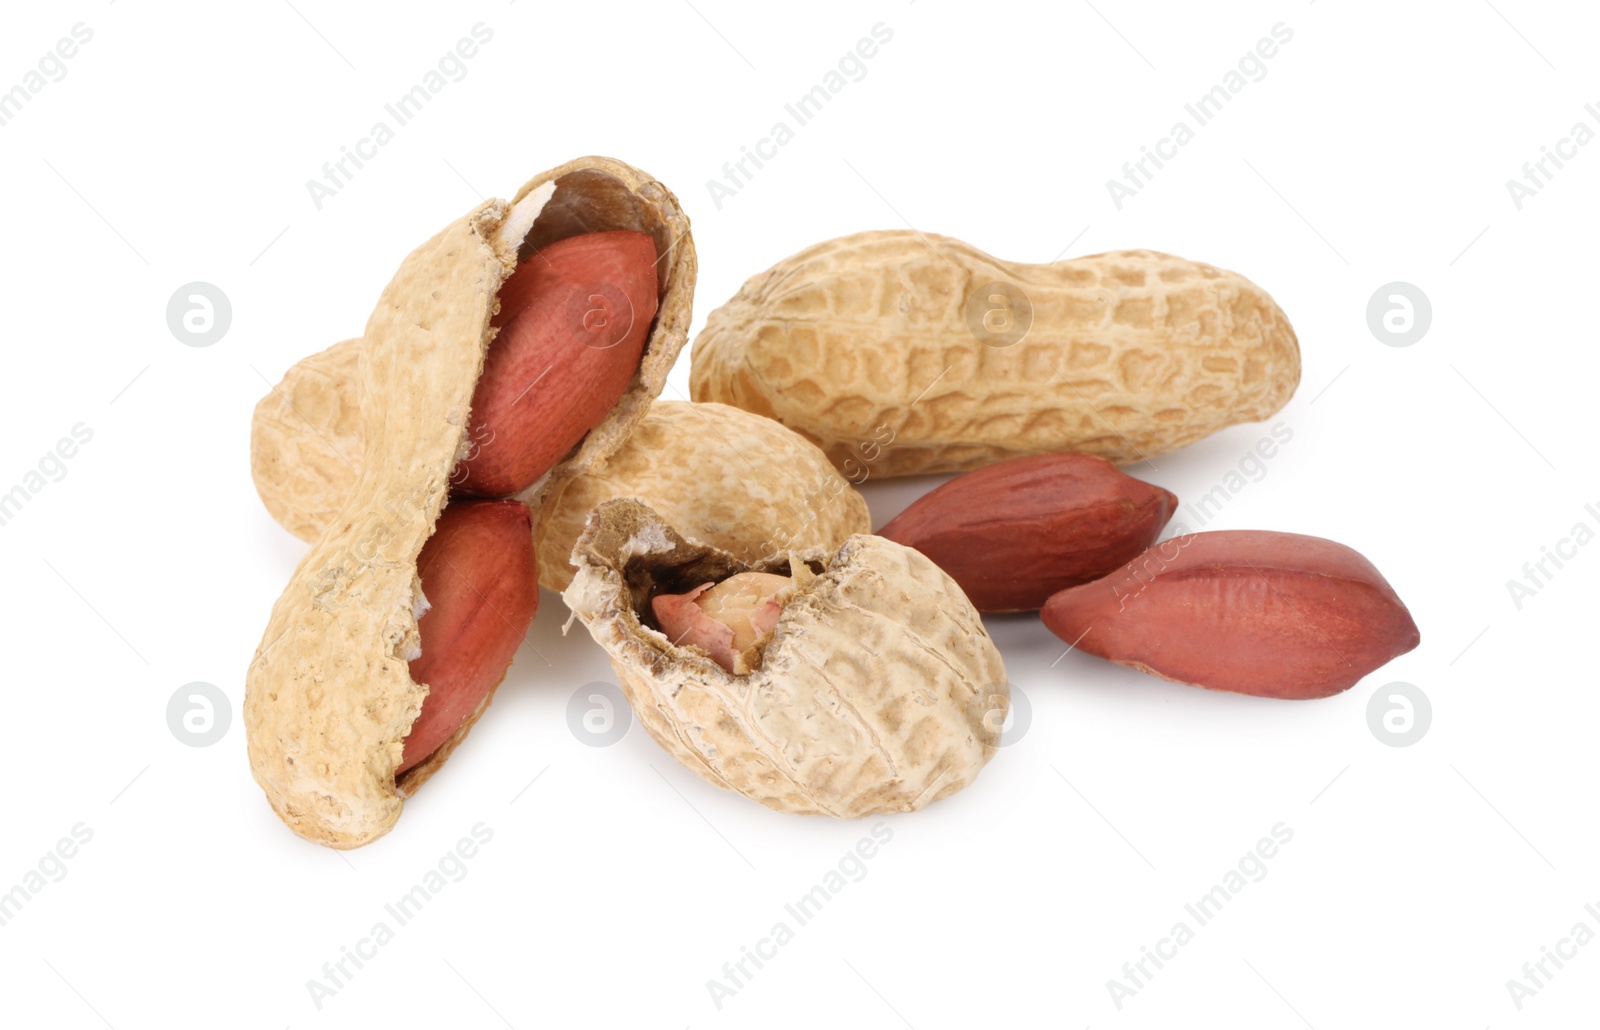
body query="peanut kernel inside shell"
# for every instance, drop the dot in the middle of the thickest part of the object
(728, 620)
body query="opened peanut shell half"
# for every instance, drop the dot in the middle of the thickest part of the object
(329, 696)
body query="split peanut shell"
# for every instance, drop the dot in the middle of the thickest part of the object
(328, 696)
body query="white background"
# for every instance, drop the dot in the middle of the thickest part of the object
(1419, 879)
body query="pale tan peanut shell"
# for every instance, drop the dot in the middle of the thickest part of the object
(328, 697)
(891, 350)
(307, 437)
(723, 476)
(878, 691)
(307, 440)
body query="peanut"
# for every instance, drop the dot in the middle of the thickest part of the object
(725, 619)
(1014, 533)
(1253, 612)
(574, 327)
(960, 360)
(878, 689)
(481, 584)
(331, 709)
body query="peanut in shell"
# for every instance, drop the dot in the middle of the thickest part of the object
(328, 698)
(878, 691)
(906, 353)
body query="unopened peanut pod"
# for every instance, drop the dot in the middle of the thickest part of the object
(328, 697)
(906, 353)
(877, 691)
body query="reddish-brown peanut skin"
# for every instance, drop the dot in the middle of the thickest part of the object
(481, 580)
(1250, 611)
(1014, 533)
(574, 317)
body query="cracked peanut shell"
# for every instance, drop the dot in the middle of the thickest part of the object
(945, 359)
(328, 696)
(878, 691)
